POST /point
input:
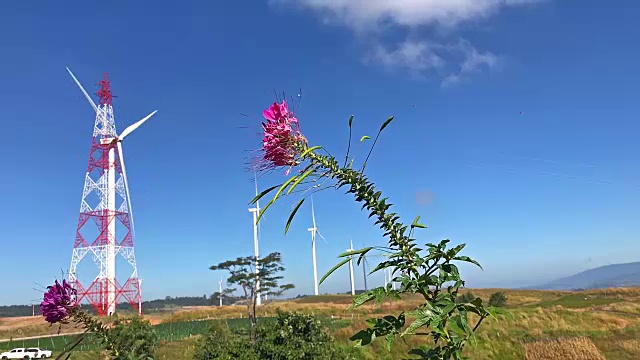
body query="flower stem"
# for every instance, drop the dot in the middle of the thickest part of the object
(365, 192)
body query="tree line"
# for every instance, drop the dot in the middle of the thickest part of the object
(147, 306)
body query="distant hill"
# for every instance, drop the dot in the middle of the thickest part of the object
(616, 275)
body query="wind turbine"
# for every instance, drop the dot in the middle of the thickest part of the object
(256, 211)
(353, 284)
(110, 139)
(364, 271)
(385, 279)
(220, 296)
(388, 272)
(314, 231)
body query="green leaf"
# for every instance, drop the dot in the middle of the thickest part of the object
(447, 309)
(334, 269)
(293, 213)
(468, 259)
(457, 326)
(299, 180)
(450, 269)
(415, 223)
(313, 148)
(371, 322)
(423, 317)
(390, 338)
(421, 353)
(350, 120)
(355, 252)
(264, 209)
(366, 297)
(362, 139)
(363, 337)
(389, 120)
(494, 312)
(284, 186)
(259, 196)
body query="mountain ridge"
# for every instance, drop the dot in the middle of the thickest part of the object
(607, 276)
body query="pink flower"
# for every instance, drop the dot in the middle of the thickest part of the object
(276, 111)
(281, 136)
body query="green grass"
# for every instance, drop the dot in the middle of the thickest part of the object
(576, 301)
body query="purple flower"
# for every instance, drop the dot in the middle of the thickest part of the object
(58, 302)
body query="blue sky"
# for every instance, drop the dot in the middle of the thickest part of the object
(519, 117)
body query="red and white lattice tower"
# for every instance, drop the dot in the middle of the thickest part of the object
(105, 208)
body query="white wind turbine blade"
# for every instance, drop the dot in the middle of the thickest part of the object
(93, 105)
(255, 181)
(135, 125)
(322, 237)
(126, 186)
(313, 214)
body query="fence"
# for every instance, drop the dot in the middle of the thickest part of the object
(173, 331)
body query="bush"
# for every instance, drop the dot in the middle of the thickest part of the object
(290, 336)
(221, 343)
(498, 299)
(465, 298)
(133, 339)
(294, 336)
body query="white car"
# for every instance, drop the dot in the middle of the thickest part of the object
(25, 353)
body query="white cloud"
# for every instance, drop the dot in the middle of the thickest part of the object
(428, 53)
(415, 56)
(473, 61)
(419, 57)
(359, 13)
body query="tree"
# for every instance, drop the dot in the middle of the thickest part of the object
(227, 297)
(243, 274)
(498, 299)
(133, 339)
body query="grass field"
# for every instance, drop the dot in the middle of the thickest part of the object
(600, 324)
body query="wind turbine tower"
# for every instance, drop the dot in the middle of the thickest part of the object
(353, 284)
(314, 230)
(256, 212)
(106, 203)
(364, 272)
(220, 291)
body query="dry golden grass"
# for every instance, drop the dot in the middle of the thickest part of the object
(19, 327)
(632, 346)
(519, 297)
(628, 307)
(627, 293)
(563, 349)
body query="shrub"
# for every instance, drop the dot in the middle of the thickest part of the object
(291, 336)
(220, 343)
(465, 298)
(133, 339)
(498, 299)
(294, 336)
